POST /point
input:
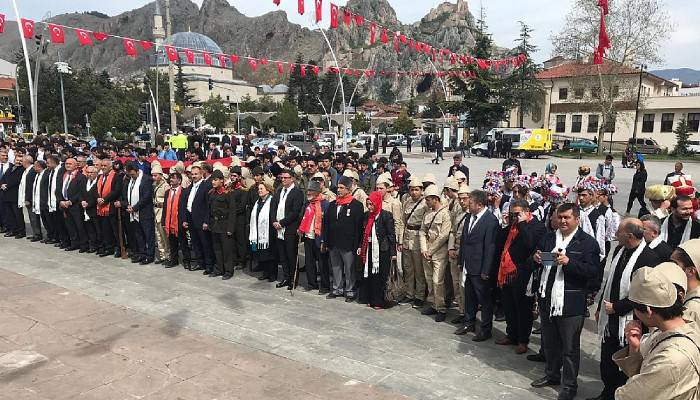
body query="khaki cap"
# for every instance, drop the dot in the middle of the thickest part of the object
(235, 161)
(156, 168)
(189, 168)
(459, 175)
(298, 170)
(179, 166)
(217, 165)
(692, 248)
(464, 189)
(652, 288)
(415, 182)
(245, 173)
(451, 183)
(318, 175)
(432, 190)
(385, 178)
(269, 184)
(674, 273)
(429, 178)
(351, 174)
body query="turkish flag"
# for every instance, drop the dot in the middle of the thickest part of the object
(315, 69)
(189, 55)
(2, 23)
(347, 17)
(83, 37)
(603, 39)
(145, 45)
(222, 60)
(300, 7)
(302, 70)
(130, 47)
(277, 2)
(172, 53)
(372, 33)
(291, 67)
(280, 68)
(264, 61)
(334, 16)
(253, 64)
(100, 36)
(319, 10)
(57, 35)
(359, 20)
(603, 4)
(207, 58)
(28, 28)
(385, 36)
(234, 59)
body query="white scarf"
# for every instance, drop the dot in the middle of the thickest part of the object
(557, 297)
(36, 193)
(260, 227)
(655, 243)
(133, 193)
(375, 253)
(624, 291)
(686, 232)
(21, 192)
(281, 208)
(88, 187)
(52, 191)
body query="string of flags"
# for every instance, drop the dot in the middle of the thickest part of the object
(399, 40)
(603, 39)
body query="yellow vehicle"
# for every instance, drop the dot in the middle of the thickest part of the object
(525, 142)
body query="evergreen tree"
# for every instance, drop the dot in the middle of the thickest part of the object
(360, 123)
(528, 92)
(182, 93)
(403, 124)
(296, 85)
(682, 133)
(287, 118)
(386, 93)
(433, 108)
(215, 112)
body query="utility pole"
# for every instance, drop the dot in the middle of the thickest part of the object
(171, 77)
(63, 68)
(35, 117)
(642, 67)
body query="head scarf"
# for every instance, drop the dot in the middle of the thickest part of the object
(376, 199)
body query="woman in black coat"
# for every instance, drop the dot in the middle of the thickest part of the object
(262, 234)
(639, 182)
(379, 234)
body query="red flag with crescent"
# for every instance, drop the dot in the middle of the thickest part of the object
(130, 47)
(83, 37)
(319, 12)
(300, 7)
(172, 53)
(145, 45)
(189, 55)
(57, 35)
(334, 16)
(222, 60)
(27, 28)
(100, 36)
(2, 23)
(207, 58)
(234, 59)
(253, 64)
(372, 33)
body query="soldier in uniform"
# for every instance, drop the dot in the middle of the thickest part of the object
(240, 235)
(160, 190)
(687, 256)
(453, 244)
(664, 365)
(413, 211)
(433, 236)
(391, 204)
(222, 221)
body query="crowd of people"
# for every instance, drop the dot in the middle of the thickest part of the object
(523, 245)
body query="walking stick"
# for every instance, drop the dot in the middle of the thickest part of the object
(296, 270)
(122, 248)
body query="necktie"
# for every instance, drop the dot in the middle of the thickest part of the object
(284, 193)
(2, 170)
(472, 223)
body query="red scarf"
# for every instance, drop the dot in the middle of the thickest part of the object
(104, 187)
(376, 199)
(171, 220)
(344, 201)
(312, 213)
(507, 272)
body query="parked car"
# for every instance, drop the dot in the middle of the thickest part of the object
(274, 144)
(694, 146)
(585, 145)
(645, 145)
(480, 149)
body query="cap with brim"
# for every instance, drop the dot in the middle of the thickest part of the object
(415, 182)
(652, 288)
(429, 178)
(318, 175)
(258, 171)
(433, 191)
(459, 175)
(674, 273)
(156, 168)
(692, 248)
(351, 174)
(188, 169)
(660, 192)
(345, 181)
(451, 183)
(464, 189)
(269, 183)
(314, 187)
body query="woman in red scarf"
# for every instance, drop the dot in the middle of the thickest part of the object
(310, 230)
(378, 249)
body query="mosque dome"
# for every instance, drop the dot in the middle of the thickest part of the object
(194, 41)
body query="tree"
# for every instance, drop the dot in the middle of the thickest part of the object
(434, 108)
(287, 118)
(215, 112)
(295, 84)
(529, 92)
(637, 30)
(360, 123)
(247, 104)
(412, 108)
(386, 93)
(403, 124)
(182, 92)
(267, 104)
(682, 133)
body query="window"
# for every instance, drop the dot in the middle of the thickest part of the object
(667, 122)
(563, 93)
(592, 123)
(561, 123)
(576, 123)
(694, 121)
(595, 92)
(648, 123)
(578, 94)
(615, 91)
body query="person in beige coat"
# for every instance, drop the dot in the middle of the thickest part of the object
(433, 236)
(414, 209)
(687, 256)
(453, 244)
(666, 364)
(160, 190)
(391, 204)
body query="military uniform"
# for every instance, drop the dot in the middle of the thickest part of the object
(330, 196)
(453, 243)
(433, 235)
(692, 305)
(360, 195)
(393, 206)
(240, 233)
(222, 222)
(160, 191)
(413, 275)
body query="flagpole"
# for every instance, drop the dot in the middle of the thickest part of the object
(35, 117)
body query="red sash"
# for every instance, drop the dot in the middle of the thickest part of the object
(171, 221)
(103, 189)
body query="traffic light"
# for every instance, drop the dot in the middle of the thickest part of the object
(211, 84)
(143, 111)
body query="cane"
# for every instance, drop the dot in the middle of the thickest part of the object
(296, 270)
(122, 248)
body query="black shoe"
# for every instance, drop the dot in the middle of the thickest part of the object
(158, 262)
(146, 261)
(35, 239)
(117, 255)
(405, 300)
(271, 280)
(429, 311)
(9, 234)
(71, 248)
(262, 278)
(91, 251)
(214, 275)
(323, 291)
(500, 317)
(418, 303)
(350, 299)
(481, 336)
(83, 251)
(458, 320)
(203, 273)
(463, 330)
(283, 284)
(536, 358)
(598, 397)
(196, 268)
(226, 277)
(185, 264)
(105, 254)
(20, 236)
(331, 296)
(136, 260)
(543, 382)
(440, 317)
(567, 394)
(170, 264)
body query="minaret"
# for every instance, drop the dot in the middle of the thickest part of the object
(158, 27)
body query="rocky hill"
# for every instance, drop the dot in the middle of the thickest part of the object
(271, 35)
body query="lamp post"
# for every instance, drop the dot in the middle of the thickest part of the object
(642, 67)
(63, 68)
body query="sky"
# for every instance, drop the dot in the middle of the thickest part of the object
(545, 16)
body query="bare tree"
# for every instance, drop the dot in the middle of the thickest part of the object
(637, 29)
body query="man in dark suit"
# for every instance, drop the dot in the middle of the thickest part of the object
(139, 206)
(5, 167)
(24, 196)
(50, 213)
(212, 152)
(38, 201)
(614, 308)
(477, 256)
(89, 205)
(69, 193)
(652, 229)
(195, 217)
(9, 185)
(175, 200)
(679, 226)
(571, 263)
(518, 241)
(109, 190)
(289, 203)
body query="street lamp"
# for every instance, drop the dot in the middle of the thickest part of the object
(63, 68)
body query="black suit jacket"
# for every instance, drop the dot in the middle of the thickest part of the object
(29, 186)
(477, 252)
(584, 261)
(145, 204)
(12, 179)
(343, 230)
(663, 251)
(75, 191)
(385, 230)
(694, 231)
(293, 210)
(91, 198)
(200, 206)
(523, 247)
(44, 190)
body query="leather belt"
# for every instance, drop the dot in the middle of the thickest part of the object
(413, 227)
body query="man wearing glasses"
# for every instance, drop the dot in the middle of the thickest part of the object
(289, 203)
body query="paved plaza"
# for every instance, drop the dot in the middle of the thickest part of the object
(75, 326)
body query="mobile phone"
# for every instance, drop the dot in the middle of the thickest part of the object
(547, 257)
